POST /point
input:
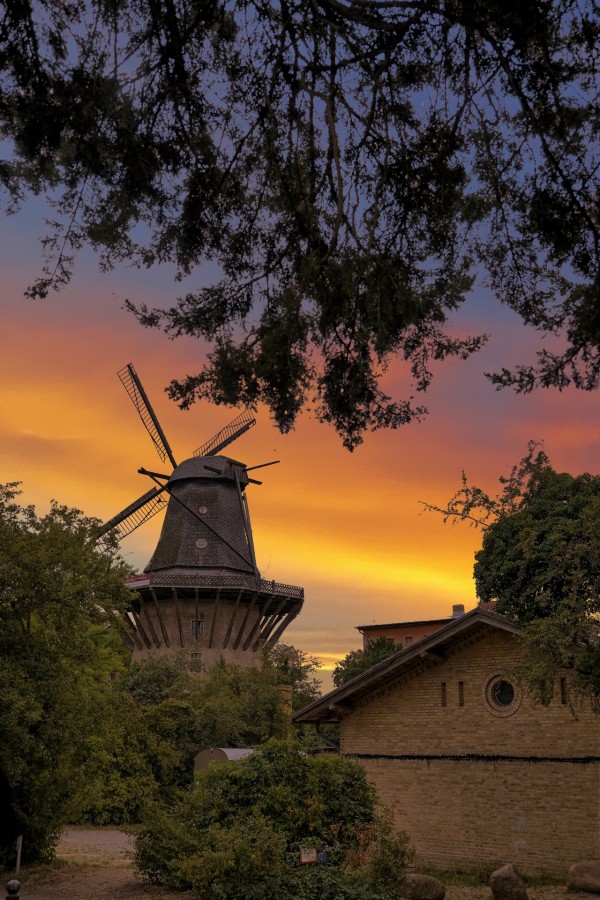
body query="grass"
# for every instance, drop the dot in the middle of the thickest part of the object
(480, 876)
(36, 871)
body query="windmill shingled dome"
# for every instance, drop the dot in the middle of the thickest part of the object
(210, 467)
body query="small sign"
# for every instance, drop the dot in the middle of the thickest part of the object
(308, 855)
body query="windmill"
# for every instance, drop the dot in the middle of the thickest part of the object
(201, 592)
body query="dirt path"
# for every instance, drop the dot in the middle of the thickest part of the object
(95, 864)
(92, 864)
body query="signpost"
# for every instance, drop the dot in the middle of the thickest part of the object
(312, 855)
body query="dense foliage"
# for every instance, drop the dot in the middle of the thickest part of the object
(540, 562)
(60, 650)
(542, 565)
(547, 553)
(349, 165)
(239, 832)
(297, 669)
(84, 734)
(162, 715)
(358, 661)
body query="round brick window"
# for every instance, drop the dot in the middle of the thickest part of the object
(503, 696)
(503, 693)
(201, 543)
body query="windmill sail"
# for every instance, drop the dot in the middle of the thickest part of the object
(133, 386)
(227, 435)
(135, 514)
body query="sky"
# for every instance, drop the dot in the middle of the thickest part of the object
(349, 528)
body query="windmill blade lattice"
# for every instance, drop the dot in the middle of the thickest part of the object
(133, 386)
(227, 435)
(134, 515)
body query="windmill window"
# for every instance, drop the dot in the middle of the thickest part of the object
(444, 698)
(203, 509)
(197, 627)
(201, 543)
(195, 661)
(408, 641)
(461, 693)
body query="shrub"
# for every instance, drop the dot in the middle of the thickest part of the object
(319, 882)
(245, 861)
(239, 832)
(379, 853)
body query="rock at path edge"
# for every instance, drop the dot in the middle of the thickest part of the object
(507, 884)
(585, 876)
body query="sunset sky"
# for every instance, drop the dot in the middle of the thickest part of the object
(347, 527)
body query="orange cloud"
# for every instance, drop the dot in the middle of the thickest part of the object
(348, 528)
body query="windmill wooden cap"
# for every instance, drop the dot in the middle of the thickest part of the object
(211, 467)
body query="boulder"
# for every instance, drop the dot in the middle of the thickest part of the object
(507, 884)
(585, 876)
(421, 887)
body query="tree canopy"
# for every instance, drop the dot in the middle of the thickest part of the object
(546, 554)
(349, 165)
(297, 669)
(540, 563)
(358, 661)
(60, 649)
(85, 734)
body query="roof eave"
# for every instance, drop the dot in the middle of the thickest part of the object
(362, 628)
(330, 707)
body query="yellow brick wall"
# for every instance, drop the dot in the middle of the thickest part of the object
(542, 817)
(535, 810)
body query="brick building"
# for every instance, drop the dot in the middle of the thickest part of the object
(407, 633)
(471, 768)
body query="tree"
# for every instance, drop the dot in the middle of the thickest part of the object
(61, 598)
(358, 661)
(162, 715)
(350, 165)
(540, 563)
(295, 668)
(547, 553)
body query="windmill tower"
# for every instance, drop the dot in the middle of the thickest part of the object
(201, 592)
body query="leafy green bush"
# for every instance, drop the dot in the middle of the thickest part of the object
(238, 834)
(245, 860)
(319, 882)
(379, 852)
(158, 717)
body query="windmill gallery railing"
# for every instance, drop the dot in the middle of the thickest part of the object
(251, 612)
(224, 582)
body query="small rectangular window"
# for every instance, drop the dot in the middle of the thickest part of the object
(197, 627)
(408, 641)
(443, 694)
(461, 693)
(563, 691)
